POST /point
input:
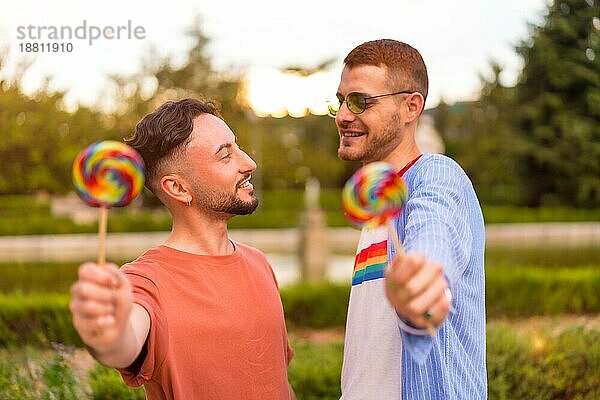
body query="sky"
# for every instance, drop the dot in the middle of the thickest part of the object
(457, 40)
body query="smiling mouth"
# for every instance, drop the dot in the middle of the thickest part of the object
(245, 183)
(345, 134)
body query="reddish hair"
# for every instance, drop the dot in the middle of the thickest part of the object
(405, 67)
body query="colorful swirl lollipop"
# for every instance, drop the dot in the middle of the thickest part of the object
(373, 195)
(108, 174)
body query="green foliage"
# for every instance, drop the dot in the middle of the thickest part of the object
(543, 367)
(521, 365)
(107, 384)
(24, 215)
(537, 143)
(60, 381)
(290, 149)
(315, 370)
(558, 96)
(28, 374)
(36, 320)
(281, 208)
(37, 277)
(315, 306)
(511, 214)
(40, 139)
(542, 256)
(15, 384)
(39, 319)
(482, 141)
(517, 292)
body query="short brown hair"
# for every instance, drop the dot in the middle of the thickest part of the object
(163, 134)
(406, 68)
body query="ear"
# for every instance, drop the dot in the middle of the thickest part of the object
(415, 104)
(175, 188)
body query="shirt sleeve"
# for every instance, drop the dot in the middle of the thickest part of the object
(145, 293)
(436, 225)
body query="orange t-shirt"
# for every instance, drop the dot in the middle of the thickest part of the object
(216, 326)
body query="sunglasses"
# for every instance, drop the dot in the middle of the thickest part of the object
(357, 102)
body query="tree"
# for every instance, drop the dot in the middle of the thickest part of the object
(40, 139)
(557, 113)
(481, 138)
(195, 78)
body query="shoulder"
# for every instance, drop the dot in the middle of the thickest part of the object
(146, 267)
(436, 167)
(256, 259)
(436, 162)
(250, 252)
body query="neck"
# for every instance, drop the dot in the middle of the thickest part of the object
(405, 152)
(197, 233)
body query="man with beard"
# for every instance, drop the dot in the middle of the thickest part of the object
(439, 284)
(198, 317)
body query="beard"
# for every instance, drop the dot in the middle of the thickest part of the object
(376, 146)
(231, 204)
(222, 202)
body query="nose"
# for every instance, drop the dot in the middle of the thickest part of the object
(248, 164)
(344, 114)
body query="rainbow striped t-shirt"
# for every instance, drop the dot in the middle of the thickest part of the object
(372, 362)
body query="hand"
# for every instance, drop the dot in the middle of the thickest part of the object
(100, 303)
(417, 289)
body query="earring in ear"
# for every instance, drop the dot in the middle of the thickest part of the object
(189, 202)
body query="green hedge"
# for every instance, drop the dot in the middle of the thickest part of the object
(314, 374)
(520, 292)
(315, 306)
(510, 292)
(36, 320)
(58, 277)
(37, 277)
(520, 366)
(541, 256)
(22, 206)
(510, 214)
(539, 366)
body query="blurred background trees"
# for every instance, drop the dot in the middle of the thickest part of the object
(538, 142)
(534, 143)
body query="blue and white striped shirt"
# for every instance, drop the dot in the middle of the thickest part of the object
(385, 358)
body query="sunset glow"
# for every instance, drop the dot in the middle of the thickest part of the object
(271, 92)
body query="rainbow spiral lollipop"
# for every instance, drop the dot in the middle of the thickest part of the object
(373, 195)
(108, 174)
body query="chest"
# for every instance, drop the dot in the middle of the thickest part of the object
(224, 307)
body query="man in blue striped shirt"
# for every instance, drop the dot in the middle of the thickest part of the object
(416, 328)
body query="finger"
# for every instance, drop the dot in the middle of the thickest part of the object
(84, 290)
(405, 267)
(423, 279)
(428, 298)
(87, 325)
(439, 310)
(91, 309)
(435, 314)
(119, 278)
(99, 274)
